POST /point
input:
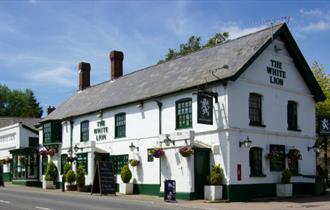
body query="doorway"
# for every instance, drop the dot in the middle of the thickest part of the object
(202, 170)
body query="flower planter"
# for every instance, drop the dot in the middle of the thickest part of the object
(50, 185)
(212, 192)
(157, 152)
(126, 188)
(186, 151)
(71, 187)
(284, 190)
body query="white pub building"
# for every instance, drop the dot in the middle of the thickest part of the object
(247, 104)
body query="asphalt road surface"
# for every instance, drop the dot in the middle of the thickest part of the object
(11, 198)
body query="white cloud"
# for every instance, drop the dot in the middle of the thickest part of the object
(62, 75)
(236, 31)
(317, 19)
(32, 1)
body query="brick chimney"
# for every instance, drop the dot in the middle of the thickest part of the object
(116, 58)
(50, 109)
(84, 75)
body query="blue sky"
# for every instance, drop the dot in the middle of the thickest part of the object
(42, 42)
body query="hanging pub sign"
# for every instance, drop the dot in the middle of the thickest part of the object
(204, 108)
(325, 126)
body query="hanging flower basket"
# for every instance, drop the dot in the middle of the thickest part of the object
(71, 159)
(5, 161)
(22, 159)
(157, 152)
(294, 155)
(134, 162)
(43, 152)
(186, 151)
(52, 152)
(274, 156)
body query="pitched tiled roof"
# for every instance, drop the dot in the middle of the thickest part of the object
(29, 122)
(182, 73)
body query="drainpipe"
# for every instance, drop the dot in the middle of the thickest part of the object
(159, 104)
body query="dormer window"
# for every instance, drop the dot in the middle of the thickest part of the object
(52, 132)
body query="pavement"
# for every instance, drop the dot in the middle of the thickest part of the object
(297, 202)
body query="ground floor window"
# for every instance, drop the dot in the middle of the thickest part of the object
(82, 160)
(44, 162)
(63, 162)
(255, 161)
(293, 161)
(25, 166)
(276, 157)
(118, 161)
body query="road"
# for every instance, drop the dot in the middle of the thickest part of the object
(18, 199)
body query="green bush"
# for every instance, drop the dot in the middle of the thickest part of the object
(70, 177)
(286, 176)
(80, 177)
(67, 167)
(125, 174)
(51, 172)
(216, 175)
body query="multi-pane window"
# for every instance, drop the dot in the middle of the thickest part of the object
(47, 131)
(255, 161)
(276, 157)
(255, 109)
(118, 161)
(292, 115)
(120, 125)
(82, 160)
(63, 162)
(84, 131)
(150, 157)
(44, 162)
(184, 113)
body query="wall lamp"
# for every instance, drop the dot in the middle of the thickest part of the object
(168, 141)
(76, 148)
(132, 147)
(247, 143)
(314, 147)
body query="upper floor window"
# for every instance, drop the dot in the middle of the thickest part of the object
(184, 113)
(292, 115)
(255, 109)
(120, 125)
(84, 131)
(52, 132)
(255, 158)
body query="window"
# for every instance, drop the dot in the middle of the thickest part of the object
(276, 157)
(293, 161)
(44, 162)
(184, 113)
(84, 131)
(255, 109)
(47, 133)
(256, 161)
(118, 161)
(120, 125)
(292, 115)
(63, 162)
(150, 157)
(82, 160)
(52, 132)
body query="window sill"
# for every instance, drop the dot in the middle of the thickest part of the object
(258, 175)
(257, 125)
(183, 128)
(292, 129)
(297, 174)
(119, 137)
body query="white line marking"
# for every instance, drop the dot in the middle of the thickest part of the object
(42, 208)
(2, 201)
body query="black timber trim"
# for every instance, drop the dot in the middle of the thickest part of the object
(298, 59)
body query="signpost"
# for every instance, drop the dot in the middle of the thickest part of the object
(1, 175)
(104, 181)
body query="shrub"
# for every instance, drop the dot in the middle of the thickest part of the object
(216, 175)
(67, 167)
(51, 172)
(125, 174)
(134, 162)
(286, 176)
(70, 177)
(80, 177)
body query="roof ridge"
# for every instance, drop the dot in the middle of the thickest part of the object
(182, 56)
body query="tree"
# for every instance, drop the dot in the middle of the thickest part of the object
(18, 103)
(193, 44)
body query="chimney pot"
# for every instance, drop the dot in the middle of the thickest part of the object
(116, 58)
(50, 109)
(84, 75)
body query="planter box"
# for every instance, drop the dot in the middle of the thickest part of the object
(213, 192)
(49, 185)
(126, 188)
(284, 190)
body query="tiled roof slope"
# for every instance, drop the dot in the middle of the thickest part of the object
(29, 122)
(175, 75)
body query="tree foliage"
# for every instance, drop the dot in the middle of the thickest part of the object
(193, 44)
(18, 103)
(322, 108)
